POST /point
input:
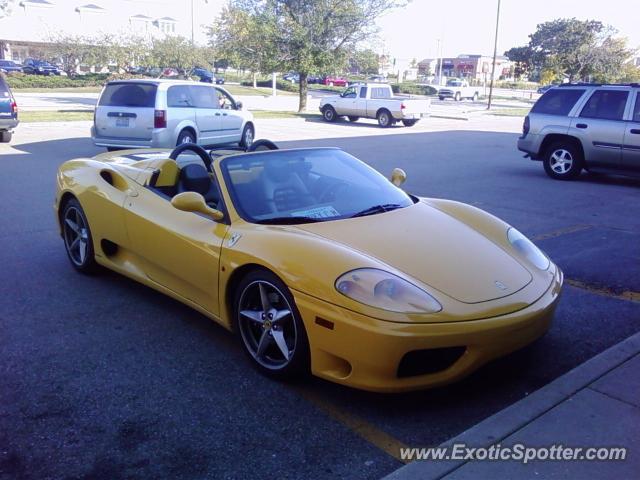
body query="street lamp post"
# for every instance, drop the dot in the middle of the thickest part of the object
(192, 30)
(495, 54)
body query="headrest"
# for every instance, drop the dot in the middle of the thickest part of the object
(194, 178)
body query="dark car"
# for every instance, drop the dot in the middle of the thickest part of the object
(39, 67)
(8, 112)
(544, 88)
(9, 66)
(314, 79)
(207, 76)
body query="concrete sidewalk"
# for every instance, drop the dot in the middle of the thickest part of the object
(594, 405)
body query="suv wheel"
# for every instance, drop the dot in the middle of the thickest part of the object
(248, 134)
(5, 137)
(563, 161)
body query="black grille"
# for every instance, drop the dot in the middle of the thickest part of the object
(432, 360)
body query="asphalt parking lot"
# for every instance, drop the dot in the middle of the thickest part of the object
(105, 378)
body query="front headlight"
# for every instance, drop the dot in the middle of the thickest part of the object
(386, 291)
(526, 248)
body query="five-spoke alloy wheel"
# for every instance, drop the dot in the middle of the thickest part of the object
(77, 237)
(563, 161)
(270, 327)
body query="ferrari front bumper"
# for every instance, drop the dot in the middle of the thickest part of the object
(365, 353)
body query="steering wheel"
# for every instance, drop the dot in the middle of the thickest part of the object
(197, 149)
(261, 145)
(328, 194)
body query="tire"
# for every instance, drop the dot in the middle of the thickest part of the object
(409, 123)
(113, 149)
(458, 97)
(185, 136)
(475, 97)
(5, 137)
(441, 99)
(248, 135)
(329, 114)
(78, 241)
(563, 161)
(254, 325)
(385, 120)
(353, 119)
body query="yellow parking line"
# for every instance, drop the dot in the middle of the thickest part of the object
(562, 231)
(364, 429)
(627, 295)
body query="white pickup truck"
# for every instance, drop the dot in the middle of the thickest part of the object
(458, 89)
(374, 100)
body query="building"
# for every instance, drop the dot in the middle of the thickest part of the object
(470, 67)
(31, 24)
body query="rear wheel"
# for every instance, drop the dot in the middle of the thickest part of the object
(409, 123)
(384, 118)
(441, 99)
(186, 136)
(270, 327)
(77, 237)
(248, 134)
(458, 97)
(353, 119)
(329, 114)
(5, 137)
(475, 97)
(563, 161)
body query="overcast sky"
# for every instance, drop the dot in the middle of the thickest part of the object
(468, 26)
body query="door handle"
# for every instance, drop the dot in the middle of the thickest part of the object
(217, 114)
(635, 131)
(224, 114)
(132, 193)
(581, 125)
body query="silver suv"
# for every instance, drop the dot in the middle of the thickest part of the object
(166, 113)
(590, 126)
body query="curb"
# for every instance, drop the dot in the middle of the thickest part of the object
(506, 422)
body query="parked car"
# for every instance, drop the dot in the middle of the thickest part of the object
(544, 88)
(585, 126)
(458, 90)
(314, 79)
(8, 112)
(207, 76)
(9, 66)
(317, 262)
(374, 100)
(377, 78)
(165, 113)
(335, 81)
(291, 77)
(39, 67)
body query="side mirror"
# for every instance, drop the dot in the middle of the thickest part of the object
(194, 202)
(398, 177)
(239, 105)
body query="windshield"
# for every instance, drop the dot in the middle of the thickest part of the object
(298, 186)
(454, 83)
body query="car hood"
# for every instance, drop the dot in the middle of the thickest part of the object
(433, 248)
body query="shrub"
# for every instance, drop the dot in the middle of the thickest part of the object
(413, 89)
(280, 85)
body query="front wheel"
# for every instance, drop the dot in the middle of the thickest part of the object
(409, 123)
(475, 97)
(248, 134)
(353, 119)
(563, 161)
(270, 327)
(441, 99)
(458, 97)
(329, 114)
(5, 137)
(77, 237)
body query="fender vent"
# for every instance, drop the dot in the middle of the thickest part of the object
(107, 177)
(108, 247)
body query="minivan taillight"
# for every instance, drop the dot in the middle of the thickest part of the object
(160, 119)
(525, 126)
(14, 107)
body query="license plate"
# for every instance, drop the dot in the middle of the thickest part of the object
(122, 122)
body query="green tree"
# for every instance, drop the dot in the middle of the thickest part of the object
(364, 62)
(522, 58)
(581, 50)
(301, 35)
(179, 53)
(69, 50)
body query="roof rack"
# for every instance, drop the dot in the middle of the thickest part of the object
(586, 84)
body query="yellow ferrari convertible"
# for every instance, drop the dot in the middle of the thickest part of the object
(314, 259)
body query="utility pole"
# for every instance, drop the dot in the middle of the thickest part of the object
(495, 54)
(439, 62)
(192, 29)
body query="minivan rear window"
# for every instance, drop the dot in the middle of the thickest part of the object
(4, 89)
(557, 101)
(129, 95)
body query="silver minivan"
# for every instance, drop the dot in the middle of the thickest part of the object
(166, 113)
